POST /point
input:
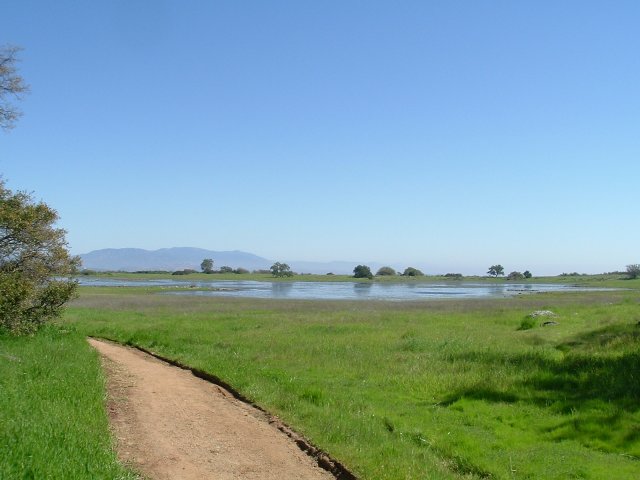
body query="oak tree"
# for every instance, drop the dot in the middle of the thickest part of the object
(35, 265)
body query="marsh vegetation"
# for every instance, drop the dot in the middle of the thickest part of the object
(440, 389)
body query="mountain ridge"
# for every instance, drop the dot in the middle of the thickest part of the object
(173, 258)
(179, 258)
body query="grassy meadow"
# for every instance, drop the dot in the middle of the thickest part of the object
(52, 410)
(404, 390)
(613, 280)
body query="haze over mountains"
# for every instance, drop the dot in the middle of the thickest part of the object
(179, 258)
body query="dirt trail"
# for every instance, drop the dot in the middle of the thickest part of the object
(170, 424)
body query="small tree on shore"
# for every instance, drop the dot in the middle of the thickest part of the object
(362, 271)
(515, 276)
(207, 265)
(527, 274)
(281, 270)
(496, 270)
(385, 271)
(412, 272)
(633, 270)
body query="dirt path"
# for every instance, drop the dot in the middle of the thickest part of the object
(170, 424)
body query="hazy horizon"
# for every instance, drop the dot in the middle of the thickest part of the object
(345, 266)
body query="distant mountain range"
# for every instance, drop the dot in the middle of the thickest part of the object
(179, 258)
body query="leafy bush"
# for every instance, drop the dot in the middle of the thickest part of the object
(527, 274)
(527, 323)
(35, 265)
(241, 271)
(412, 272)
(515, 276)
(385, 271)
(362, 271)
(496, 270)
(207, 265)
(281, 270)
(455, 276)
(633, 270)
(226, 269)
(186, 271)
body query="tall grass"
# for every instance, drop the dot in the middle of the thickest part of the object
(444, 389)
(53, 423)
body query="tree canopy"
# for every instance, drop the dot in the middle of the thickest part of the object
(633, 270)
(362, 271)
(34, 263)
(385, 271)
(496, 270)
(11, 86)
(207, 265)
(515, 276)
(281, 270)
(412, 272)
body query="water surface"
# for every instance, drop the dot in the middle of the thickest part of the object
(339, 290)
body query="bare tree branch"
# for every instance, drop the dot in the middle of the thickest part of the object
(12, 85)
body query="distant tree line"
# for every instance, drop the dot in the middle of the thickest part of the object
(498, 271)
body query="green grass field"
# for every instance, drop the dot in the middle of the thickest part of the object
(53, 423)
(618, 280)
(440, 389)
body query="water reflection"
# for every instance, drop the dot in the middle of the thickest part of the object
(336, 290)
(362, 290)
(281, 289)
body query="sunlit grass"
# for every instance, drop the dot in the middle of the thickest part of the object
(439, 389)
(52, 413)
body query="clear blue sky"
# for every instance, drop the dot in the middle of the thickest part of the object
(452, 134)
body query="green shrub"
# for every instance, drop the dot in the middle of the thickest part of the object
(186, 271)
(527, 323)
(455, 276)
(385, 271)
(281, 270)
(412, 272)
(362, 271)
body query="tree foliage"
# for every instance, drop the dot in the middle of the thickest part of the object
(633, 270)
(385, 271)
(455, 276)
(515, 276)
(34, 263)
(496, 270)
(412, 272)
(207, 265)
(362, 271)
(11, 86)
(281, 270)
(527, 274)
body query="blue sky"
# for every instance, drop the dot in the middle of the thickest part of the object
(451, 135)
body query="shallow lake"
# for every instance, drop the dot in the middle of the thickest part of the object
(339, 290)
